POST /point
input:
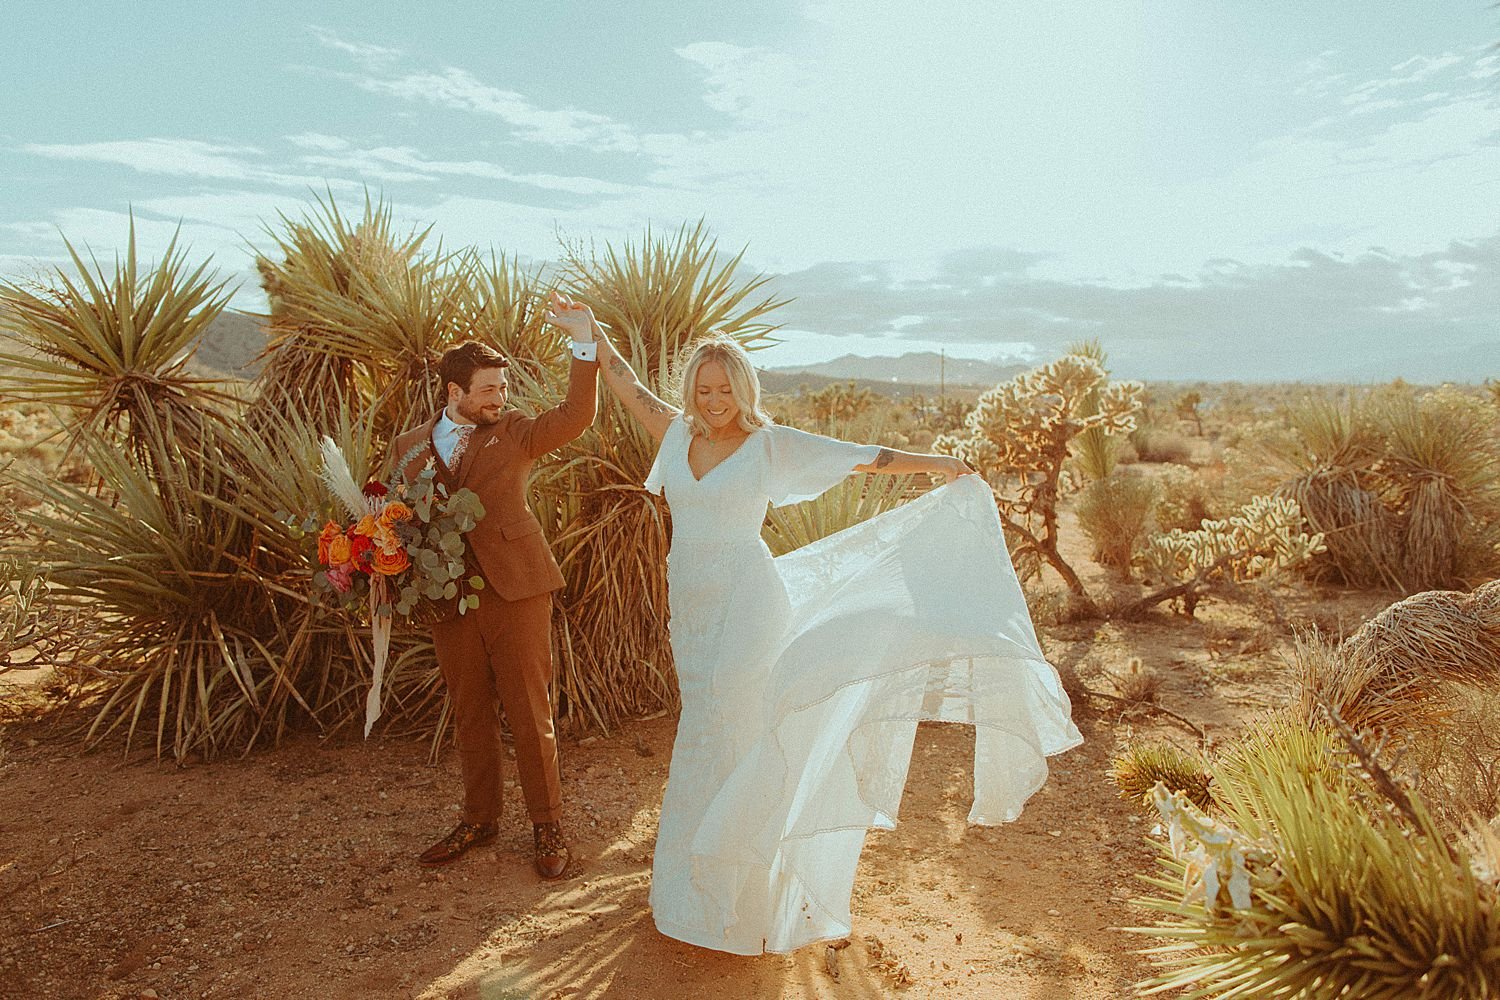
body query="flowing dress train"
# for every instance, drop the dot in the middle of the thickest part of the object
(803, 679)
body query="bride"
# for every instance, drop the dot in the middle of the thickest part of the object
(803, 677)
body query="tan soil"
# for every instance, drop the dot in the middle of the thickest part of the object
(291, 873)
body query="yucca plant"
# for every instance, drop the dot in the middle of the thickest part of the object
(1140, 766)
(1330, 457)
(112, 347)
(1095, 453)
(342, 293)
(1115, 513)
(190, 644)
(1312, 886)
(856, 499)
(1440, 470)
(1403, 486)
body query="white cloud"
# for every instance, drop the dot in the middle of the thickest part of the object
(1413, 70)
(459, 89)
(1309, 314)
(178, 158)
(368, 55)
(402, 163)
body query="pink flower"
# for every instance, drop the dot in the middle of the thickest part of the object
(341, 577)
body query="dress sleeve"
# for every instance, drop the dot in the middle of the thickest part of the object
(656, 478)
(801, 466)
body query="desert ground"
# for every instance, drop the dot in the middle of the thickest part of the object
(291, 872)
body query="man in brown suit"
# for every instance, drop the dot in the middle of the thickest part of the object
(502, 650)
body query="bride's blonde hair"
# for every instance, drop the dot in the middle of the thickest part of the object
(744, 384)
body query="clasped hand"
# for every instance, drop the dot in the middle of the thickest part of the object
(572, 316)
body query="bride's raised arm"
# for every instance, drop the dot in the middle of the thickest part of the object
(654, 414)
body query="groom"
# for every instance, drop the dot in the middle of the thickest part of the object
(501, 650)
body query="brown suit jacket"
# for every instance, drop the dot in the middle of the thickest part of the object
(507, 546)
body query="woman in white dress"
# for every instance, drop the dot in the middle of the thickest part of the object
(803, 677)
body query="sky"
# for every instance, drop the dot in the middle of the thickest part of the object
(1237, 189)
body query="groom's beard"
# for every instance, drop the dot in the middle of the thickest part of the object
(476, 414)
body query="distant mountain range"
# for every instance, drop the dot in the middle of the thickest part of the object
(235, 339)
(919, 368)
(1426, 367)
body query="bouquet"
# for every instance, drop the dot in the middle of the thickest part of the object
(399, 553)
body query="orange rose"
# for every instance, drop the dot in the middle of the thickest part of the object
(340, 550)
(329, 533)
(390, 563)
(395, 512)
(366, 526)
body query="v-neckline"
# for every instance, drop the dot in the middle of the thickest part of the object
(687, 457)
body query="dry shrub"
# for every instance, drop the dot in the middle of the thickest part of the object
(1053, 606)
(1154, 445)
(1138, 685)
(1367, 697)
(1220, 639)
(1439, 633)
(1115, 513)
(1184, 500)
(1456, 765)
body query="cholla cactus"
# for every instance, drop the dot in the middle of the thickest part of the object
(1019, 434)
(1265, 537)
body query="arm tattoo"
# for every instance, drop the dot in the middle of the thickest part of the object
(619, 367)
(650, 402)
(884, 457)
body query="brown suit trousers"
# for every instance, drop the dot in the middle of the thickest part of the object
(502, 651)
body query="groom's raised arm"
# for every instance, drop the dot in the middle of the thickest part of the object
(551, 429)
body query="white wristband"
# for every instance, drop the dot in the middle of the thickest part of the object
(586, 350)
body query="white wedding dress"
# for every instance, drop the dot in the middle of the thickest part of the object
(803, 679)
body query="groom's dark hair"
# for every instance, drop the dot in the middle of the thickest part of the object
(460, 363)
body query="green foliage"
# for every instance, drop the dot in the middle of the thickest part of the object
(1264, 538)
(856, 499)
(112, 346)
(1115, 513)
(1310, 885)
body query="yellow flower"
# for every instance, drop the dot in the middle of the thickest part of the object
(366, 526)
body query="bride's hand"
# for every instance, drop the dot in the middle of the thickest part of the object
(574, 317)
(955, 467)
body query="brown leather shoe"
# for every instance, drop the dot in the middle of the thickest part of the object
(457, 843)
(552, 855)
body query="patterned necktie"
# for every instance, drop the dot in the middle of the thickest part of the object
(464, 433)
